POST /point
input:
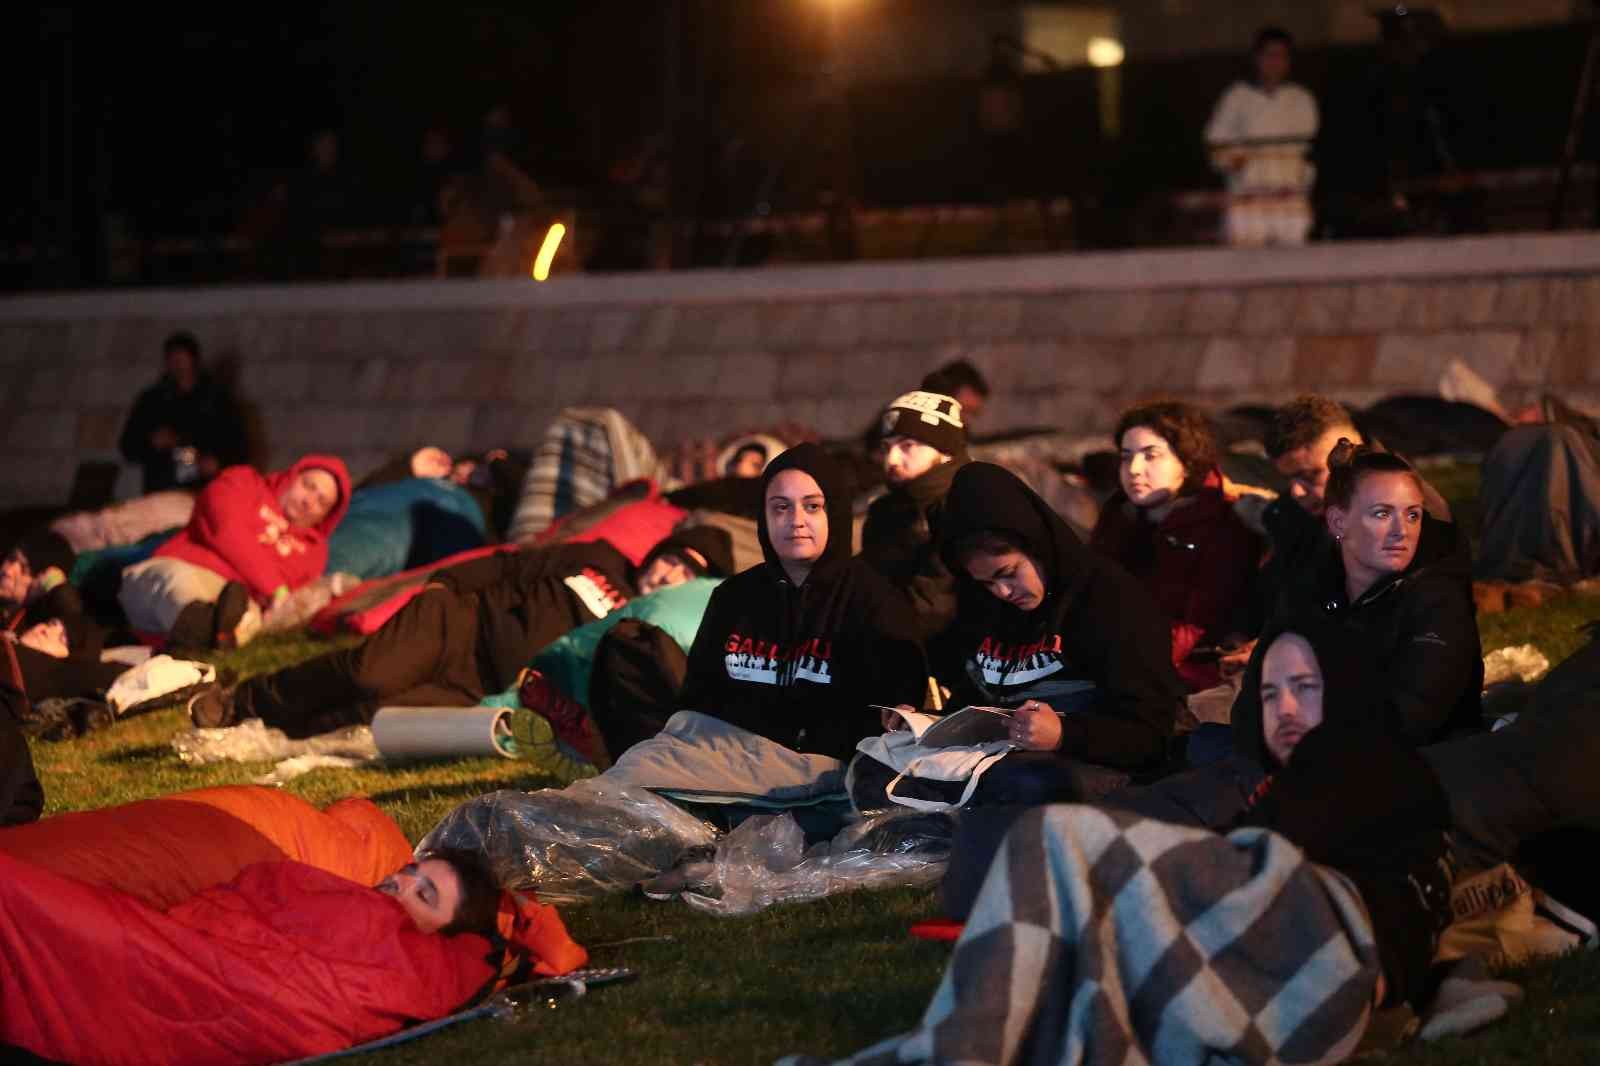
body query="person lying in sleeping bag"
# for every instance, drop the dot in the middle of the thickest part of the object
(798, 648)
(49, 646)
(470, 632)
(284, 961)
(1068, 639)
(251, 541)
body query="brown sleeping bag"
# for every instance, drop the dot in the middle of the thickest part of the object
(165, 850)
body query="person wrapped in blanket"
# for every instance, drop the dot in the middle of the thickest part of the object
(1067, 639)
(799, 647)
(1170, 526)
(470, 632)
(251, 541)
(1101, 936)
(285, 961)
(49, 646)
(924, 443)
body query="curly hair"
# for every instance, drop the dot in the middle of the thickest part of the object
(1187, 431)
(1349, 464)
(1302, 420)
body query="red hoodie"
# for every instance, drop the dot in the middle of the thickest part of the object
(1198, 562)
(239, 531)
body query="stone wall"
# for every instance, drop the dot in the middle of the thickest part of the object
(369, 369)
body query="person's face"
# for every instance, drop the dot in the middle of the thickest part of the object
(748, 463)
(1011, 576)
(971, 401)
(16, 578)
(905, 459)
(1307, 467)
(797, 517)
(181, 368)
(1291, 694)
(1379, 534)
(1151, 473)
(1272, 63)
(664, 571)
(49, 636)
(309, 498)
(430, 462)
(429, 890)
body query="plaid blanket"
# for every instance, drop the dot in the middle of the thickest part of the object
(1101, 937)
(587, 452)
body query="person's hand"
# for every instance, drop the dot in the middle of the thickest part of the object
(1232, 662)
(164, 439)
(891, 721)
(48, 637)
(1035, 726)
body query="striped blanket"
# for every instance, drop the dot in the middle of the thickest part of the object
(1101, 937)
(587, 452)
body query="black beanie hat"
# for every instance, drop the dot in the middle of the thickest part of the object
(930, 417)
(43, 548)
(708, 549)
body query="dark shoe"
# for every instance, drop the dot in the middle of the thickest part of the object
(573, 727)
(195, 628)
(211, 707)
(232, 603)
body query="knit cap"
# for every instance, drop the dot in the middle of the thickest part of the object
(930, 417)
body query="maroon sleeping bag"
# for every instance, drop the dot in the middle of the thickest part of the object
(283, 962)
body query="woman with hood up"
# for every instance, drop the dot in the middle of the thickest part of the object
(798, 648)
(1402, 582)
(1068, 639)
(252, 540)
(1170, 526)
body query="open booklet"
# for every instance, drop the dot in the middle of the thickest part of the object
(968, 727)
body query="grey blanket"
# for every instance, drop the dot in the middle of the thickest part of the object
(1102, 937)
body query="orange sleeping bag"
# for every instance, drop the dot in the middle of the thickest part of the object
(165, 850)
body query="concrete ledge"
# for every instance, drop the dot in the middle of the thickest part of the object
(1211, 268)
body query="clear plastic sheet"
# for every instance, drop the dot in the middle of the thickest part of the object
(577, 843)
(304, 602)
(253, 741)
(764, 861)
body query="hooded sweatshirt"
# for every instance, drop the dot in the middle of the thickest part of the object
(1419, 627)
(802, 664)
(900, 541)
(1358, 797)
(1096, 648)
(238, 529)
(1199, 562)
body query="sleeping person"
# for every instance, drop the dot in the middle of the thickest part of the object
(470, 631)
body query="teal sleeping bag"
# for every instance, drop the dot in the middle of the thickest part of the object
(566, 661)
(404, 524)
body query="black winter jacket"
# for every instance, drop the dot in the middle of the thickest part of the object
(900, 541)
(802, 664)
(206, 418)
(1097, 647)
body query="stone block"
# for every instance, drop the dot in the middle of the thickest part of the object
(990, 318)
(1232, 365)
(683, 376)
(1122, 314)
(570, 379)
(1268, 309)
(567, 330)
(280, 380)
(1209, 311)
(532, 377)
(841, 325)
(1322, 308)
(745, 376)
(266, 336)
(1413, 362)
(91, 341)
(735, 326)
(16, 342)
(479, 380)
(113, 384)
(790, 326)
(1377, 306)
(510, 426)
(1521, 301)
(1334, 360)
(1048, 316)
(1587, 297)
(99, 428)
(36, 431)
(1564, 301)
(612, 329)
(1162, 365)
(657, 326)
(51, 384)
(695, 327)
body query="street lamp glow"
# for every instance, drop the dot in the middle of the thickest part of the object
(547, 251)
(1105, 52)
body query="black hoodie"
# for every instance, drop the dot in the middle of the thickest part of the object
(1358, 797)
(1097, 647)
(900, 541)
(1419, 627)
(801, 665)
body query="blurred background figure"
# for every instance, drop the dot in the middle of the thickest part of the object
(185, 427)
(1259, 136)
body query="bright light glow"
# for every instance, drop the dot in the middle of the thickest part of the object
(547, 251)
(1105, 52)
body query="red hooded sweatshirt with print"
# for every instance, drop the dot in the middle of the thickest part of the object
(238, 528)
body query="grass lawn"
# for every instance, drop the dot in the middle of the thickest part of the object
(829, 977)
